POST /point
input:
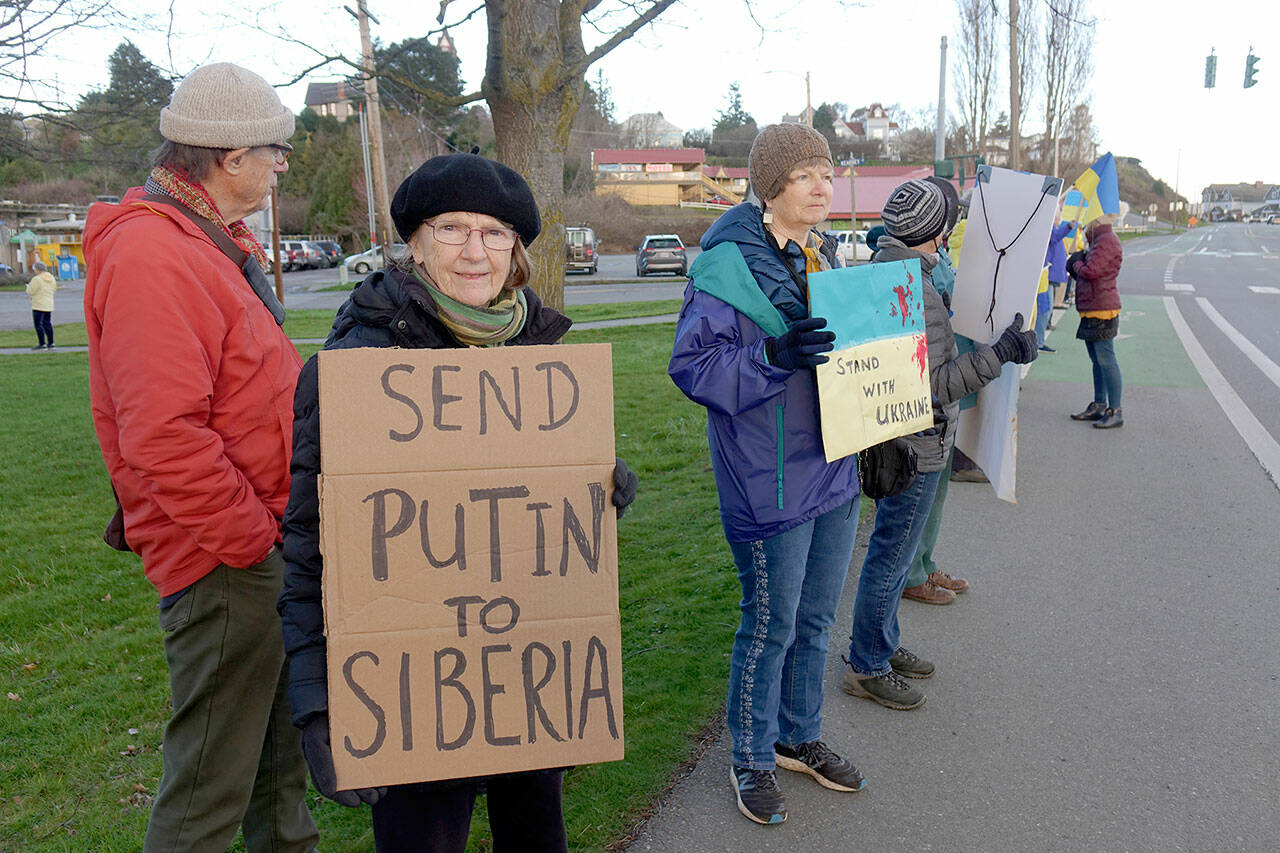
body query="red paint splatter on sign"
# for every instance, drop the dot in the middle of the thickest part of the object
(921, 356)
(904, 305)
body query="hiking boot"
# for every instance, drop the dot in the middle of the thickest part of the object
(817, 759)
(909, 665)
(929, 593)
(1093, 412)
(888, 689)
(1110, 420)
(759, 797)
(944, 580)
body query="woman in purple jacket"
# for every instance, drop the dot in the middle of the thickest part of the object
(745, 349)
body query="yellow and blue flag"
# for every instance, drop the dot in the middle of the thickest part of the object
(876, 384)
(1100, 189)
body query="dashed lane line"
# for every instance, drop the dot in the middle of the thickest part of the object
(1263, 289)
(1180, 288)
(1255, 435)
(1268, 367)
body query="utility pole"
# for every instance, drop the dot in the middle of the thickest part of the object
(940, 131)
(368, 176)
(378, 161)
(808, 103)
(275, 246)
(1015, 97)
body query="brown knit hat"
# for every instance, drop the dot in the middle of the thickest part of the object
(776, 150)
(225, 106)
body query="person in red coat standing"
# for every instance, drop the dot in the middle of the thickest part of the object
(1098, 302)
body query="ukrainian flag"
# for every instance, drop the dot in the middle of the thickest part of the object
(1100, 189)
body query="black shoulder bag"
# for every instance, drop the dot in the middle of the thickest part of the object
(252, 271)
(887, 469)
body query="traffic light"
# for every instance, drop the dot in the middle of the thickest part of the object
(1210, 71)
(1250, 70)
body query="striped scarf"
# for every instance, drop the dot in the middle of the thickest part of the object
(178, 185)
(490, 326)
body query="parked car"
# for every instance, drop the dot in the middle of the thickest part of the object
(330, 252)
(271, 256)
(661, 253)
(848, 248)
(1275, 219)
(371, 259)
(580, 250)
(299, 255)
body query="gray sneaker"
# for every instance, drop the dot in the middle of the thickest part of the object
(759, 797)
(888, 689)
(910, 666)
(819, 761)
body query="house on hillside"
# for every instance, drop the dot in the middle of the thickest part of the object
(651, 130)
(334, 98)
(650, 176)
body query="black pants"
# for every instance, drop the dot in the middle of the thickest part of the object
(524, 814)
(43, 321)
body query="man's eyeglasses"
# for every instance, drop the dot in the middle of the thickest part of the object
(456, 234)
(280, 152)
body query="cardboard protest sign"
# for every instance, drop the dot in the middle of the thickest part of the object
(471, 568)
(1010, 221)
(876, 384)
(1013, 212)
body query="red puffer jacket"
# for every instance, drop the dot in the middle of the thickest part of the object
(191, 384)
(1096, 274)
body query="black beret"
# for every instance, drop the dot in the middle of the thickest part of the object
(468, 183)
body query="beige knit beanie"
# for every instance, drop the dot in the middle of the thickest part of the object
(225, 106)
(776, 150)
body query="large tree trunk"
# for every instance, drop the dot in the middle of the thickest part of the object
(534, 98)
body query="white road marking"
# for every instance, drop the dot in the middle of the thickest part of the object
(1268, 367)
(1260, 442)
(1182, 288)
(1257, 289)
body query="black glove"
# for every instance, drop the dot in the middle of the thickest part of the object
(801, 346)
(315, 748)
(1073, 258)
(624, 486)
(1016, 345)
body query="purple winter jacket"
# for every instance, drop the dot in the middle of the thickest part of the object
(762, 421)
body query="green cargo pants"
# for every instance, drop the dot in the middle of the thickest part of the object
(231, 755)
(922, 565)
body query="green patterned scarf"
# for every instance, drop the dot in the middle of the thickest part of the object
(490, 326)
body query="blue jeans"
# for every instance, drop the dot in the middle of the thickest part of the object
(1044, 306)
(900, 523)
(1106, 372)
(791, 585)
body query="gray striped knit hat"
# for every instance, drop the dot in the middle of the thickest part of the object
(225, 106)
(915, 213)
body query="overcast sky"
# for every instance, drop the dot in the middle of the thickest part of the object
(1147, 92)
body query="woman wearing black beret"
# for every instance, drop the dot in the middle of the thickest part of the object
(467, 221)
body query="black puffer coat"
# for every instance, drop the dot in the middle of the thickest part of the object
(387, 309)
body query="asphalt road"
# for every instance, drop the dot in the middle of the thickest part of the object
(1110, 683)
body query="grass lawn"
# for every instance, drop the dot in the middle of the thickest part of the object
(81, 654)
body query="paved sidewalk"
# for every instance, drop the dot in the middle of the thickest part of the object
(1110, 682)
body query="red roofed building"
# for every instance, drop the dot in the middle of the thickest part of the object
(665, 176)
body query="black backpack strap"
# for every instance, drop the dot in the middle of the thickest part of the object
(244, 261)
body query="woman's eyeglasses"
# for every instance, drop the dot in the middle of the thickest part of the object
(456, 234)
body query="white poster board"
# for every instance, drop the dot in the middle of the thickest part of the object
(1010, 220)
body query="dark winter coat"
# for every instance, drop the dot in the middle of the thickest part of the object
(387, 309)
(1096, 273)
(952, 375)
(762, 421)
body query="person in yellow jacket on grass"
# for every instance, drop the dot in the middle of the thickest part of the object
(40, 291)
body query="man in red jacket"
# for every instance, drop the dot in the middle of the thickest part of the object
(191, 381)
